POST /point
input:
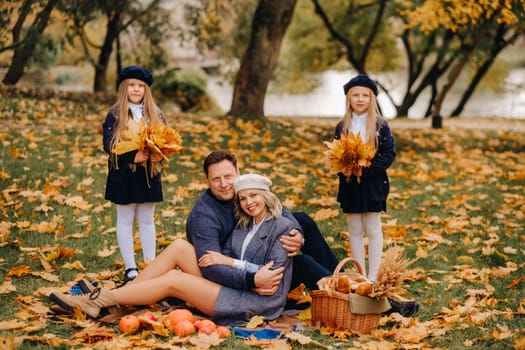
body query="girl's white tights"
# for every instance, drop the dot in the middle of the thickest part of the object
(371, 223)
(125, 217)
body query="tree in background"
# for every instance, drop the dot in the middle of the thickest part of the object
(218, 28)
(439, 38)
(24, 36)
(309, 49)
(146, 28)
(480, 27)
(145, 24)
(497, 37)
(269, 25)
(433, 41)
(368, 36)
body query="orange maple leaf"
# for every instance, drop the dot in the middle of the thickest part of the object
(19, 271)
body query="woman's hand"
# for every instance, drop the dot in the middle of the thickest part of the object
(214, 258)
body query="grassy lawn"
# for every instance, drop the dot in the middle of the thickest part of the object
(457, 204)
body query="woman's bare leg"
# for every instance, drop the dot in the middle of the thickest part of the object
(197, 291)
(180, 253)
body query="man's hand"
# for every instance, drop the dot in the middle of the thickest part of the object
(262, 291)
(267, 280)
(292, 243)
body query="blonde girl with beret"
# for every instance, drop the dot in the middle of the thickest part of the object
(128, 184)
(363, 201)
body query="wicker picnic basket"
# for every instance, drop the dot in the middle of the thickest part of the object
(332, 308)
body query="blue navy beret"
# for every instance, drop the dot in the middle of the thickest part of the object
(135, 72)
(361, 80)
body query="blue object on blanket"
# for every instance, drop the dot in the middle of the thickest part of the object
(76, 290)
(258, 333)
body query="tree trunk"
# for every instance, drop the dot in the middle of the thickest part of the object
(451, 79)
(23, 53)
(119, 60)
(105, 52)
(499, 43)
(472, 86)
(452, 76)
(270, 22)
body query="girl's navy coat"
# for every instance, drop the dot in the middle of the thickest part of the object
(370, 194)
(128, 183)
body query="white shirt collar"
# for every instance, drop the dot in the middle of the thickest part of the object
(136, 110)
(358, 125)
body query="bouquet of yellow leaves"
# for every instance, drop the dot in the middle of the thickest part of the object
(161, 141)
(349, 155)
(133, 138)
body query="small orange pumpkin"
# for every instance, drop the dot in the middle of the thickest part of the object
(183, 328)
(178, 315)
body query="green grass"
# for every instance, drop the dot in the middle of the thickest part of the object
(458, 193)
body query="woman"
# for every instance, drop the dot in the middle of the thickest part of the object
(175, 272)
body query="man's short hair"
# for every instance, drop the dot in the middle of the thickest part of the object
(216, 157)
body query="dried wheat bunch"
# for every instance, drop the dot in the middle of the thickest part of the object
(391, 275)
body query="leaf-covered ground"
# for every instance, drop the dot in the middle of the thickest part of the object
(457, 204)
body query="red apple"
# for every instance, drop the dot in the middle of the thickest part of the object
(149, 319)
(223, 331)
(205, 326)
(129, 324)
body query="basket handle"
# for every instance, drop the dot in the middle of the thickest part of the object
(344, 261)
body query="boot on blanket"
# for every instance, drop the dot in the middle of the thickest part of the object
(90, 303)
(88, 287)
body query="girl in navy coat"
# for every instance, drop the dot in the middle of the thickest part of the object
(129, 184)
(176, 272)
(364, 200)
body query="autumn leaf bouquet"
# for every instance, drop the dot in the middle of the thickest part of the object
(349, 155)
(160, 140)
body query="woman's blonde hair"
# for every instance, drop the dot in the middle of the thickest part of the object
(152, 112)
(373, 118)
(273, 205)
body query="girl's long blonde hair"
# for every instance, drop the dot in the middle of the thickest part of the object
(152, 112)
(373, 118)
(273, 205)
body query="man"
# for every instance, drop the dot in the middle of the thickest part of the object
(211, 222)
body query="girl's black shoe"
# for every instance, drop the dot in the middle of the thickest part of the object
(404, 308)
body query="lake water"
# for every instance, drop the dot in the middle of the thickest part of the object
(328, 99)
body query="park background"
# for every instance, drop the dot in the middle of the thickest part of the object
(456, 205)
